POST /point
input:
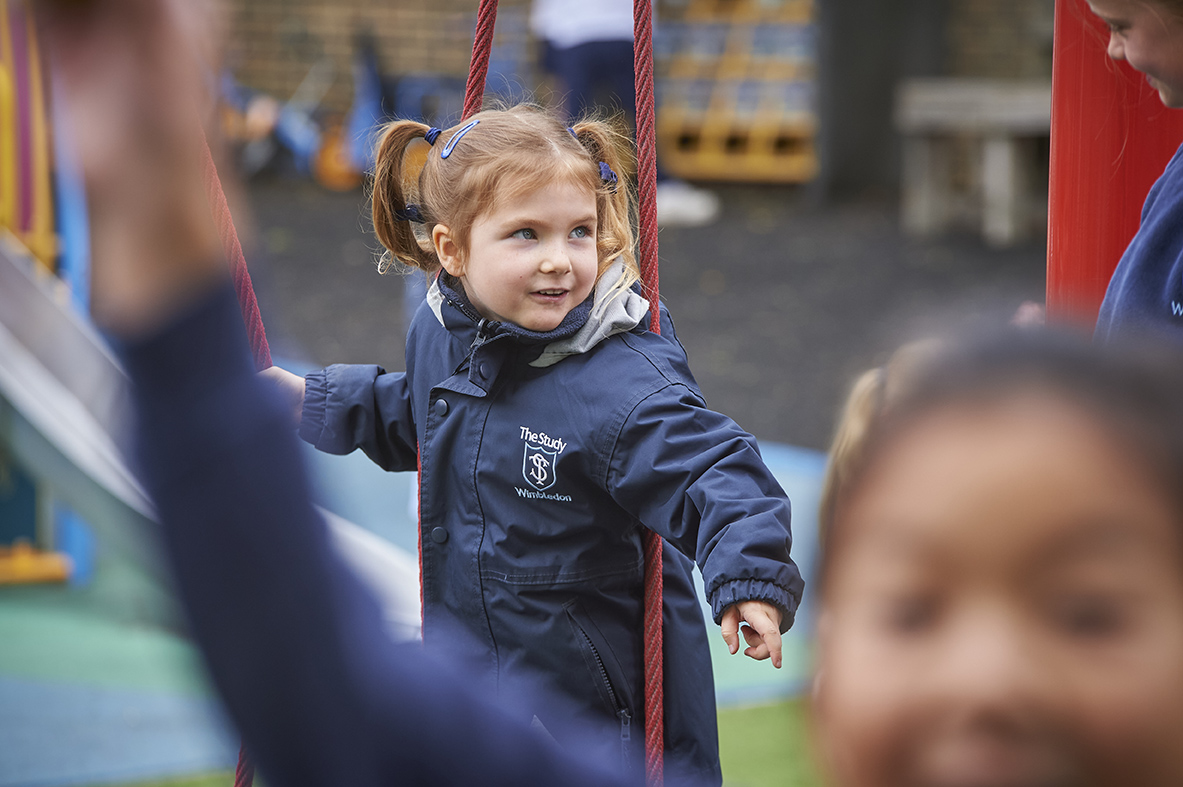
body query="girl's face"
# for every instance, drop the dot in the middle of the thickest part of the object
(1005, 607)
(1149, 36)
(531, 259)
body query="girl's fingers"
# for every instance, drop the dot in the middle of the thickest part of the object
(730, 626)
(762, 634)
(752, 636)
(757, 649)
(762, 630)
(773, 641)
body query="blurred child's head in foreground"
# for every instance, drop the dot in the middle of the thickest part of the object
(1002, 587)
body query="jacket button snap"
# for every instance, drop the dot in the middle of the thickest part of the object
(441, 407)
(439, 535)
(483, 371)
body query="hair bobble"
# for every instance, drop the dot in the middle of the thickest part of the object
(432, 135)
(607, 175)
(409, 213)
(448, 148)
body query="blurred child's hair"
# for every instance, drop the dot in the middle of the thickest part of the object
(1133, 391)
(1174, 6)
(510, 152)
(870, 397)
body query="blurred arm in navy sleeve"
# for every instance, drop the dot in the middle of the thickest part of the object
(295, 645)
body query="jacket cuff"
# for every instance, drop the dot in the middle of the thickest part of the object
(316, 396)
(737, 590)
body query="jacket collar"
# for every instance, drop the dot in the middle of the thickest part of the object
(609, 310)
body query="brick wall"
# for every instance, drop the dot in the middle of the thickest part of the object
(274, 43)
(1006, 39)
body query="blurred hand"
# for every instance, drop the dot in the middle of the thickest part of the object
(290, 388)
(762, 631)
(1029, 315)
(137, 78)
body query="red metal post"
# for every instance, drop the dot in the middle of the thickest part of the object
(1111, 138)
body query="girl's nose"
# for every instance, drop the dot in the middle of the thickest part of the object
(1115, 48)
(991, 666)
(555, 260)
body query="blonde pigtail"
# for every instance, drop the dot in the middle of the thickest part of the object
(850, 438)
(873, 395)
(390, 210)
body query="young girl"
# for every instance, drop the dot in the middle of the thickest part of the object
(1002, 586)
(1146, 291)
(550, 428)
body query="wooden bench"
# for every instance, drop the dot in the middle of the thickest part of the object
(1000, 119)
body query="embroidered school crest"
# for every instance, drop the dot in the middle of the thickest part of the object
(538, 461)
(539, 466)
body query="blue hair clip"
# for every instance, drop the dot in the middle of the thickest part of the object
(409, 213)
(607, 175)
(572, 130)
(448, 148)
(432, 135)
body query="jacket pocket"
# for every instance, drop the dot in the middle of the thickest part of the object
(606, 672)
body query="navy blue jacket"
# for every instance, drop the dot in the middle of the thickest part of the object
(296, 646)
(540, 467)
(1146, 291)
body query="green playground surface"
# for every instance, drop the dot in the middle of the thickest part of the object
(760, 746)
(98, 684)
(768, 746)
(48, 640)
(219, 779)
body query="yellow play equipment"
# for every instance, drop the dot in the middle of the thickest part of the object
(26, 214)
(26, 193)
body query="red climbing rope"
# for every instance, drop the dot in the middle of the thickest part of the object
(244, 774)
(234, 256)
(647, 257)
(646, 155)
(474, 93)
(478, 67)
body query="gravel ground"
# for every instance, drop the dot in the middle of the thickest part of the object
(780, 304)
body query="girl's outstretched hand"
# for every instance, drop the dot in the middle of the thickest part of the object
(762, 631)
(290, 388)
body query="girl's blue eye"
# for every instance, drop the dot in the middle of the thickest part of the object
(526, 234)
(581, 232)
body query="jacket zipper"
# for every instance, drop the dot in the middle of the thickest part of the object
(621, 711)
(484, 331)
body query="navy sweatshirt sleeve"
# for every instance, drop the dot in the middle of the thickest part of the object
(294, 644)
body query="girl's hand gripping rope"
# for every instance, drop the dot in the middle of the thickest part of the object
(762, 631)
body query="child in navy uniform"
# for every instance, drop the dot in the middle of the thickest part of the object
(1146, 291)
(551, 428)
(1002, 583)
